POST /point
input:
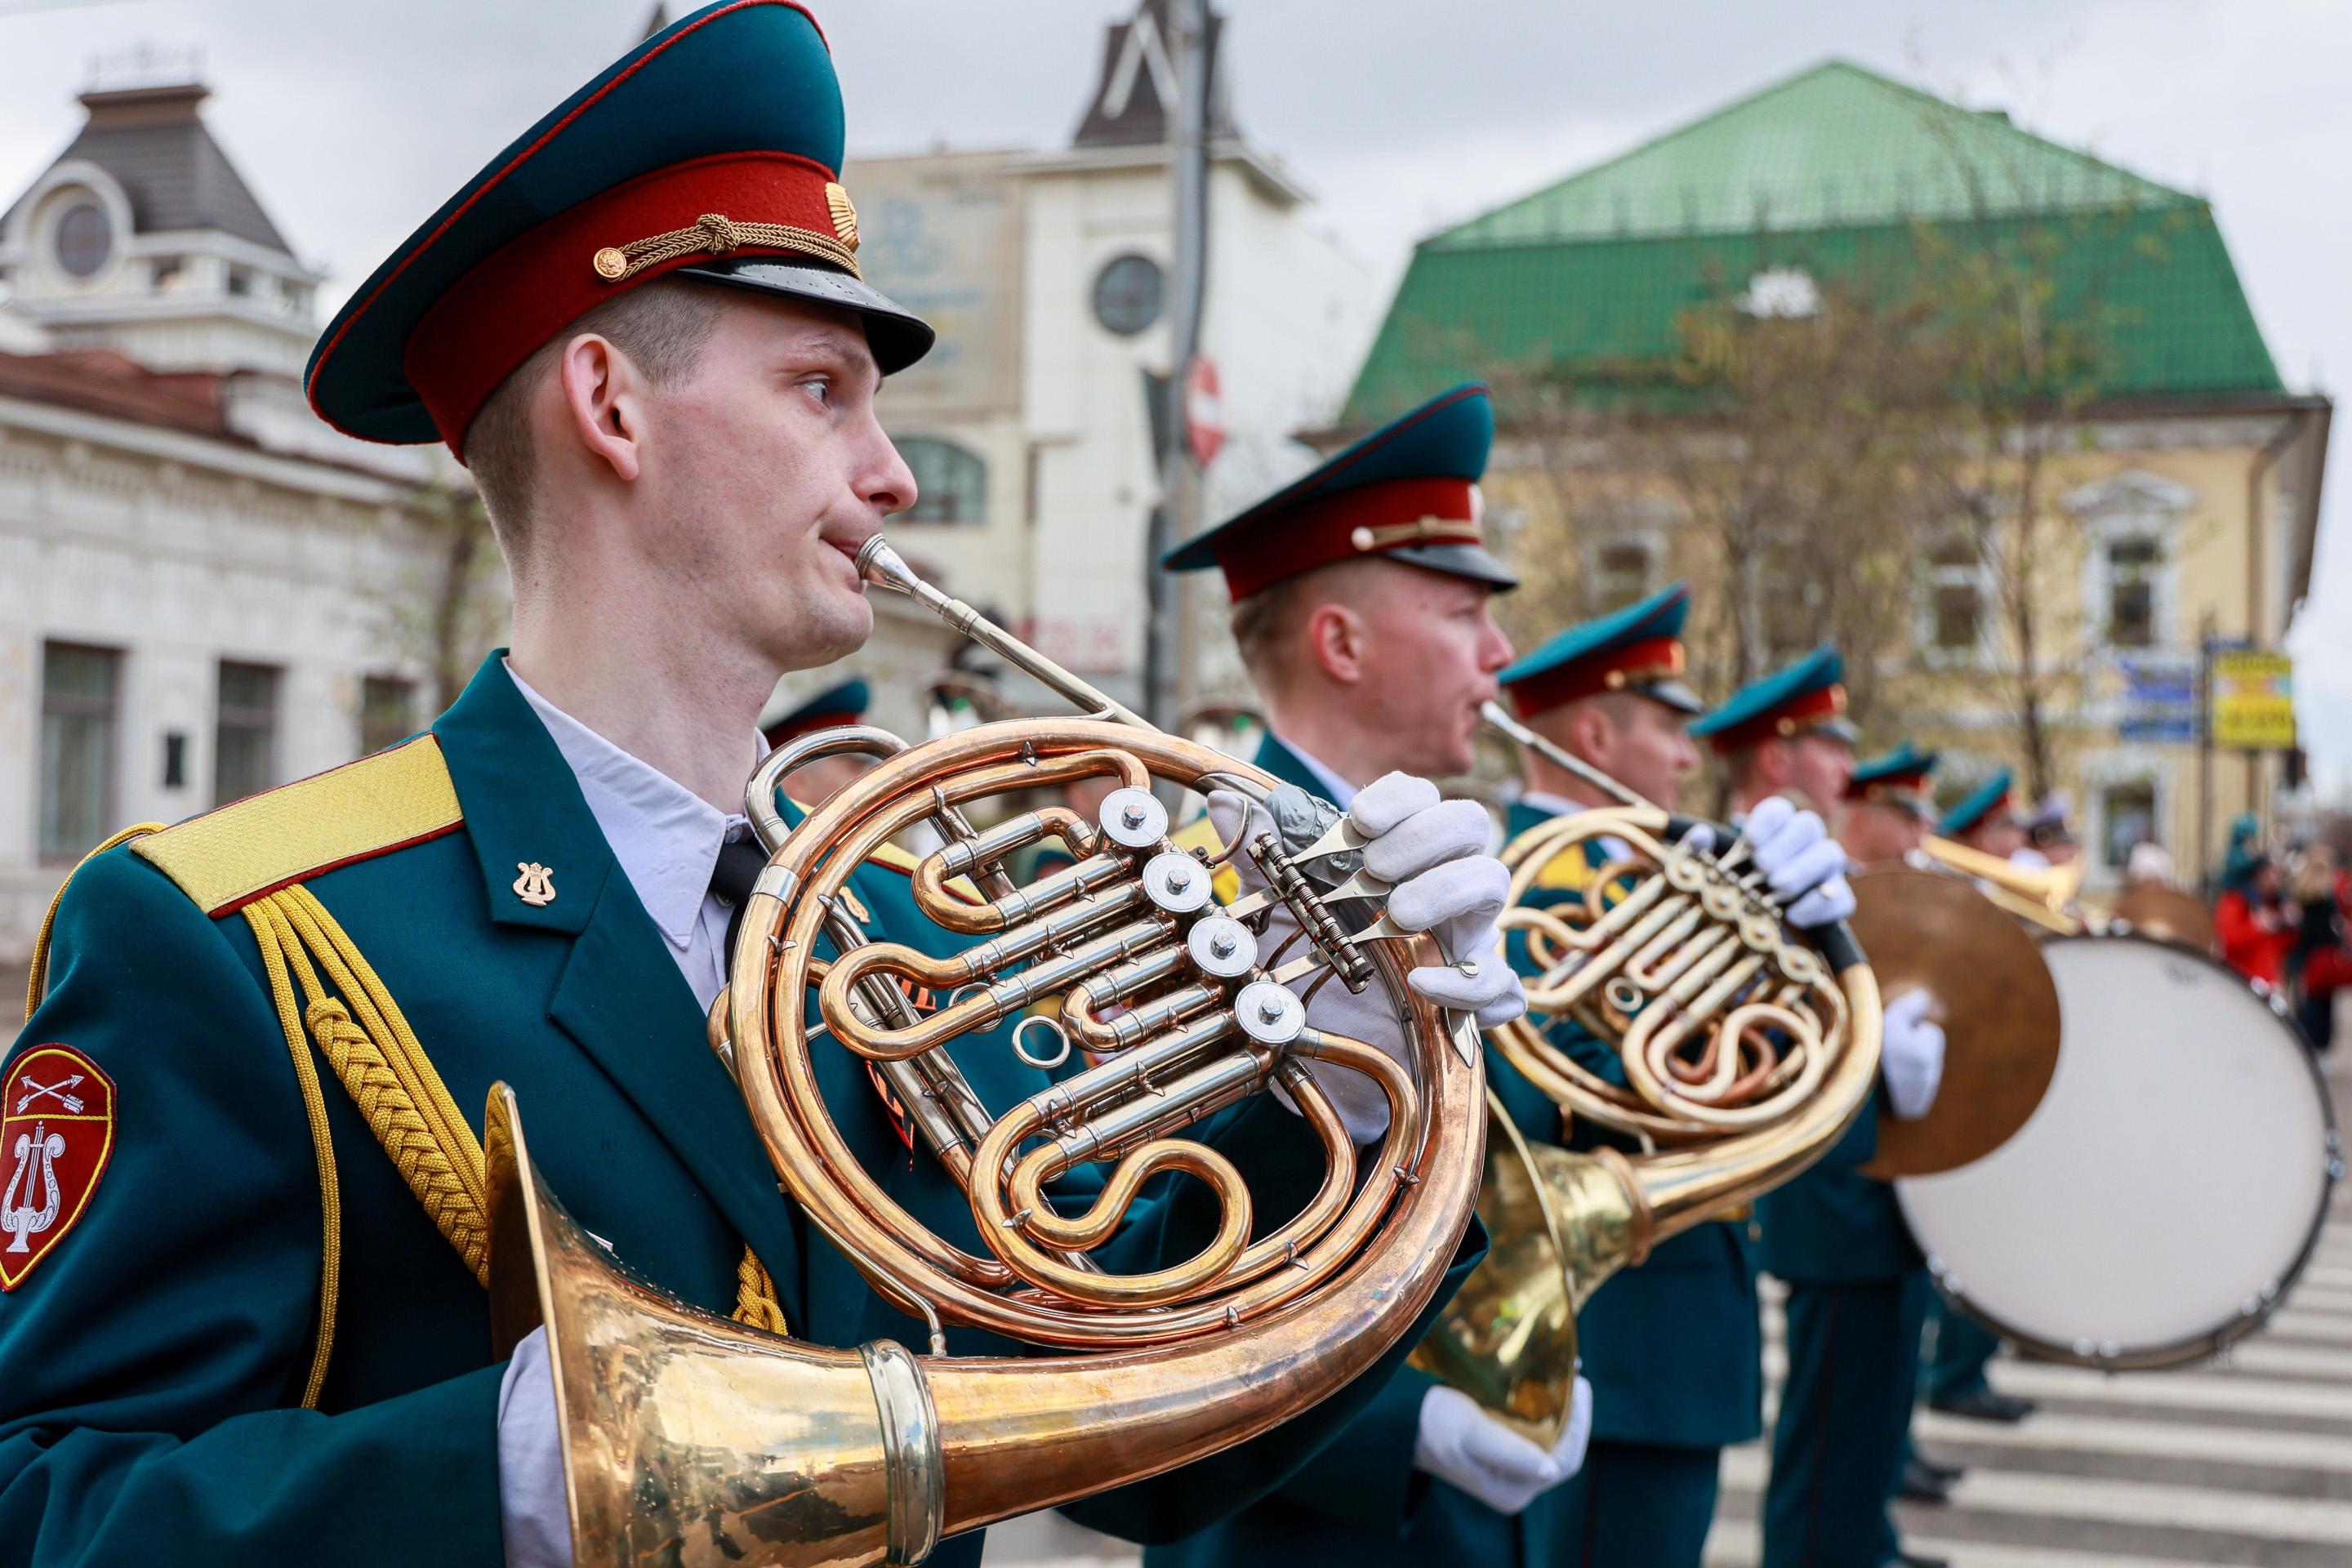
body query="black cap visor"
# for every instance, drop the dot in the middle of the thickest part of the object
(898, 336)
(1469, 561)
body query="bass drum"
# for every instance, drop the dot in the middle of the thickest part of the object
(2170, 1187)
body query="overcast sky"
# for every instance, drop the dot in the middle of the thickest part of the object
(353, 119)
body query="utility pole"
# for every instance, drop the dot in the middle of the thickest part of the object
(1178, 515)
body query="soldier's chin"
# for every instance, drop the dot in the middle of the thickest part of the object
(832, 627)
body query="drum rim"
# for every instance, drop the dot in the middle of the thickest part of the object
(2207, 1342)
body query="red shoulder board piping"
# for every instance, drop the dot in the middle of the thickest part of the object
(56, 1133)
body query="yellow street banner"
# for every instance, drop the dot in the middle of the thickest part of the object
(2253, 701)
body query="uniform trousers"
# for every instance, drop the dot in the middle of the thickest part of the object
(1639, 1505)
(1845, 1411)
(1956, 1367)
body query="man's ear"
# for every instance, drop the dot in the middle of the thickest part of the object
(1336, 637)
(603, 403)
(1591, 733)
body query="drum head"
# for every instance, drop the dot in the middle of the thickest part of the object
(2170, 1186)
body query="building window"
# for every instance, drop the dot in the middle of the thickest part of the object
(1955, 596)
(245, 732)
(2133, 567)
(79, 688)
(2127, 816)
(85, 239)
(240, 281)
(950, 481)
(1621, 575)
(387, 712)
(166, 272)
(1127, 295)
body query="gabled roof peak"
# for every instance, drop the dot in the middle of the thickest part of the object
(1837, 145)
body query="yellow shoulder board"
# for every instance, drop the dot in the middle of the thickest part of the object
(1567, 871)
(227, 858)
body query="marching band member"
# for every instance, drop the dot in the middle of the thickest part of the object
(1857, 1291)
(254, 1320)
(1956, 1380)
(1360, 603)
(836, 706)
(1670, 1346)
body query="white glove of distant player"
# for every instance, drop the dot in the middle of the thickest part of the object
(1460, 1444)
(1431, 853)
(1800, 862)
(1911, 1055)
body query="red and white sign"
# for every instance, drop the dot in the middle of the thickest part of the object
(1204, 411)
(57, 1132)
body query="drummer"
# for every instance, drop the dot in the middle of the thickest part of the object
(1959, 1346)
(1856, 1289)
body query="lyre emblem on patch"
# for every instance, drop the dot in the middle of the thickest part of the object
(536, 886)
(56, 1133)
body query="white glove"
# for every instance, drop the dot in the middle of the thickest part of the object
(1911, 1055)
(1800, 862)
(1443, 883)
(1460, 1444)
(533, 1507)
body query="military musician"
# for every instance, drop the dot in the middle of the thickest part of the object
(257, 1330)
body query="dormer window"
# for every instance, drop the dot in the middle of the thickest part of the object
(85, 239)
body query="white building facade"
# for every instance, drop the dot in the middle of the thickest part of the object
(1048, 274)
(204, 591)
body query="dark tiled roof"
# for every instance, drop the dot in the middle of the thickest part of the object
(154, 142)
(1126, 110)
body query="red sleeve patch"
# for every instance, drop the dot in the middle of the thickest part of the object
(57, 1132)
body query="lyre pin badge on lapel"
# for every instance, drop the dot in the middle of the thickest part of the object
(536, 886)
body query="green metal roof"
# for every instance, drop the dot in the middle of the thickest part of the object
(1834, 170)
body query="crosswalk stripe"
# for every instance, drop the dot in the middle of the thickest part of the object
(2182, 1390)
(1739, 1545)
(2144, 1439)
(2117, 1501)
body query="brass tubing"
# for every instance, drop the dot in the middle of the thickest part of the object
(850, 1206)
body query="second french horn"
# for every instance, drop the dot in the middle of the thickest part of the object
(1747, 1050)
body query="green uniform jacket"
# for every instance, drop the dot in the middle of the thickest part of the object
(151, 1366)
(1672, 1348)
(1833, 1224)
(1361, 1502)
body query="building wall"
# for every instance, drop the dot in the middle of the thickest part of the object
(1288, 316)
(181, 550)
(2183, 480)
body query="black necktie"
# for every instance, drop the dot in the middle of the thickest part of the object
(740, 861)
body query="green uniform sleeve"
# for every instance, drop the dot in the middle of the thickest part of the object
(153, 1364)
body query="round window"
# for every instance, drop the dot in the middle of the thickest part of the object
(85, 239)
(1128, 295)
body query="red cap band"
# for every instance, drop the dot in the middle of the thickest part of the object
(1373, 520)
(1635, 664)
(1792, 718)
(499, 313)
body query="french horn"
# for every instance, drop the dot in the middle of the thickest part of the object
(1748, 1051)
(694, 1440)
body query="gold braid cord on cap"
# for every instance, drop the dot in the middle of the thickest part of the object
(715, 233)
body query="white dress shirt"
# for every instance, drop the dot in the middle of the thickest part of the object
(1337, 790)
(666, 837)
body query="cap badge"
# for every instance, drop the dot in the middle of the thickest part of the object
(844, 214)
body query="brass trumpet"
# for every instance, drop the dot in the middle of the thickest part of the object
(2042, 897)
(1748, 1053)
(692, 1440)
